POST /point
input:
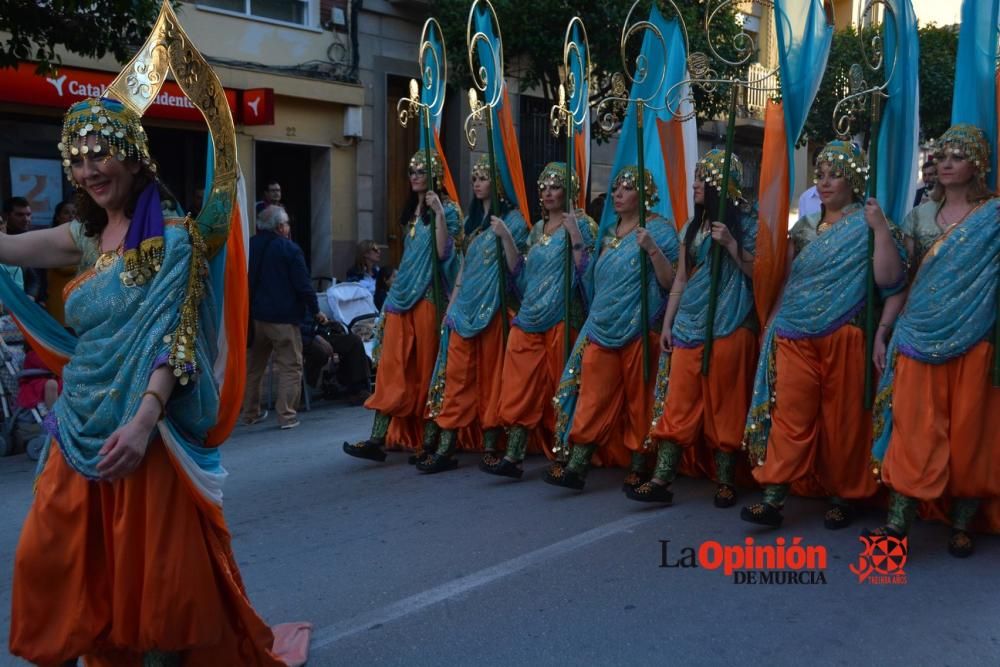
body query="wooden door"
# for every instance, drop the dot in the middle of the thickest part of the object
(401, 143)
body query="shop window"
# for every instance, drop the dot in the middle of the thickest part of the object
(286, 11)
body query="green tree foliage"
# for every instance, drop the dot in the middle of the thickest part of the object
(90, 28)
(533, 34)
(938, 49)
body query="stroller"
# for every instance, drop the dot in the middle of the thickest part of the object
(21, 429)
(350, 310)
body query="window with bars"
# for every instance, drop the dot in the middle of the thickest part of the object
(287, 11)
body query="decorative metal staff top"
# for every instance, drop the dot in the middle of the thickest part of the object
(427, 102)
(874, 14)
(570, 113)
(679, 101)
(486, 49)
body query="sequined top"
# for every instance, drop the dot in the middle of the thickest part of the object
(921, 226)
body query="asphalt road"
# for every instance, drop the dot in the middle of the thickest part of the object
(396, 568)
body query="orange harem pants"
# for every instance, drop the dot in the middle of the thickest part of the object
(945, 428)
(818, 422)
(531, 371)
(614, 407)
(110, 570)
(409, 350)
(473, 378)
(712, 409)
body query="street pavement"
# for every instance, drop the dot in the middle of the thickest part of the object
(396, 568)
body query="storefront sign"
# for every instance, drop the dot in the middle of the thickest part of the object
(258, 106)
(70, 84)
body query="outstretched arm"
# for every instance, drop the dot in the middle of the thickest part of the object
(40, 249)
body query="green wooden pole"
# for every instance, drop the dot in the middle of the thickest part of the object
(436, 289)
(495, 210)
(643, 258)
(715, 255)
(568, 263)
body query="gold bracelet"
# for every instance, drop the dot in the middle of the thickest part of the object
(676, 293)
(159, 399)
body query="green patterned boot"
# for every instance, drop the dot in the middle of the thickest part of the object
(767, 513)
(432, 432)
(510, 465)
(443, 459)
(372, 448)
(161, 659)
(902, 512)
(636, 472)
(657, 490)
(572, 475)
(490, 438)
(963, 510)
(725, 478)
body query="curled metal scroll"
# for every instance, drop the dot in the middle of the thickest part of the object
(480, 46)
(847, 109)
(573, 106)
(702, 67)
(433, 77)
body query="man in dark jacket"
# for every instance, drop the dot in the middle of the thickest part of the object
(281, 297)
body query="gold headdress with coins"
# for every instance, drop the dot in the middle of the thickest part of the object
(554, 175)
(846, 160)
(115, 122)
(629, 177)
(481, 169)
(710, 168)
(419, 161)
(967, 141)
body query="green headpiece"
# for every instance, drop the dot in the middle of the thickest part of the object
(846, 160)
(710, 167)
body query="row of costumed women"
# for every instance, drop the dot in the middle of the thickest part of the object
(546, 344)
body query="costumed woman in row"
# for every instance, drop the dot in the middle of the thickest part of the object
(536, 346)
(603, 400)
(465, 386)
(698, 408)
(807, 419)
(408, 344)
(937, 412)
(125, 558)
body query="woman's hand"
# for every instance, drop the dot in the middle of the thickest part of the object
(645, 240)
(879, 349)
(434, 202)
(722, 235)
(124, 450)
(874, 216)
(667, 338)
(499, 227)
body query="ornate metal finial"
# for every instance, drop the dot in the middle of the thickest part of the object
(433, 77)
(871, 16)
(483, 49)
(572, 109)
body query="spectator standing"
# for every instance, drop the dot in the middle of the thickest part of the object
(281, 297)
(17, 213)
(272, 196)
(929, 173)
(809, 202)
(366, 269)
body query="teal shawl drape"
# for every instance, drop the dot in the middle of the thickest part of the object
(413, 280)
(540, 280)
(735, 296)
(824, 291)
(950, 308)
(478, 300)
(613, 288)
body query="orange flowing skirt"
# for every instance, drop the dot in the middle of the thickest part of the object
(819, 425)
(472, 379)
(946, 434)
(615, 407)
(110, 570)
